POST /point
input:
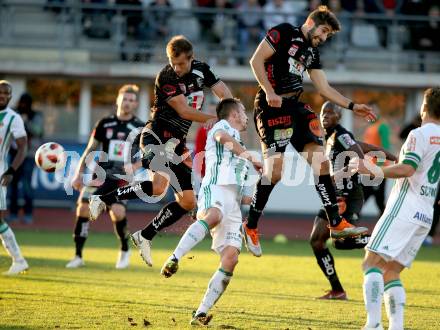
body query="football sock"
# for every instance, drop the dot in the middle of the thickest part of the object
(134, 191)
(80, 234)
(169, 214)
(193, 235)
(327, 264)
(327, 193)
(121, 229)
(394, 299)
(261, 195)
(9, 242)
(216, 286)
(373, 292)
(351, 243)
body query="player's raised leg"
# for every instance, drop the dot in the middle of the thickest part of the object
(339, 227)
(194, 235)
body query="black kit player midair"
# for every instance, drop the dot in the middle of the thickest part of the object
(163, 140)
(294, 122)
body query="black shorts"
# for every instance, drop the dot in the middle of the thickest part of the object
(350, 205)
(107, 186)
(294, 122)
(165, 151)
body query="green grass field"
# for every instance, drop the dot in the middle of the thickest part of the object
(273, 292)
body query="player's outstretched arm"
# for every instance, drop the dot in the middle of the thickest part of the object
(263, 52)
(179, 103)
(230, 143)
(320, 82)
(395, 171)
(221, 90)
(366, 148)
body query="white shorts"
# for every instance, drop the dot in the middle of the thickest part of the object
(3, 205)
(228, 231)
(397, 239)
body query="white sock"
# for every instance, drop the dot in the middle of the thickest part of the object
(193, 236)
(394, 298)
(10, 243)
(216, 286)
(373, 292)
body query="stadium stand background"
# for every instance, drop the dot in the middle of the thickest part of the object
(72, 56)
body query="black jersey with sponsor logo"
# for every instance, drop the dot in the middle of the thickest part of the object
(339, 140)
(168, 84)
(293, 55)
(116, 139)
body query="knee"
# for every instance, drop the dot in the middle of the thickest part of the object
(117, 212)
(229, 262)
(82, 210)
(273, 177)
(316, 244)
(187, 203)
(389, 276)
(158, 189)
(325, 168)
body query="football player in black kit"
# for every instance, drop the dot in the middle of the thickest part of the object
(340, 146)
(278, 64)
(113, 134)
(178, 100)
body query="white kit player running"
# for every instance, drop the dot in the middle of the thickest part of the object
(223, 189)
(407, 218)
(11, 128)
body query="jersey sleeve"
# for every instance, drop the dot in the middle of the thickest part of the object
(17, 127)
(316, 60)
(98, 131)
(167, 85)
(413, 149)
(210, 79)
(279, 36)
(345, 139)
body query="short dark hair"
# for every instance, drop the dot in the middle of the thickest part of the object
(132, 89)
(322, 15)
(432, 98)
(225, 107)
(6, 83)
(179, 45)
(332, 106)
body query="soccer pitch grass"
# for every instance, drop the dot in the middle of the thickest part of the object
(275, 291)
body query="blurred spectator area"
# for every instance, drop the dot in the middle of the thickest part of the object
(391, 35)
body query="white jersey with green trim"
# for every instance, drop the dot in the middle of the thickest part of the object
(11, 127)
(222, 166)
(413, 198)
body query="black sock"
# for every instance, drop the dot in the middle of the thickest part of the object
(169, 214)
(327, 264)
(327, 193)
(259, 201)
(128, 192)
(121, 229)
(80, 234)
(351, 243)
